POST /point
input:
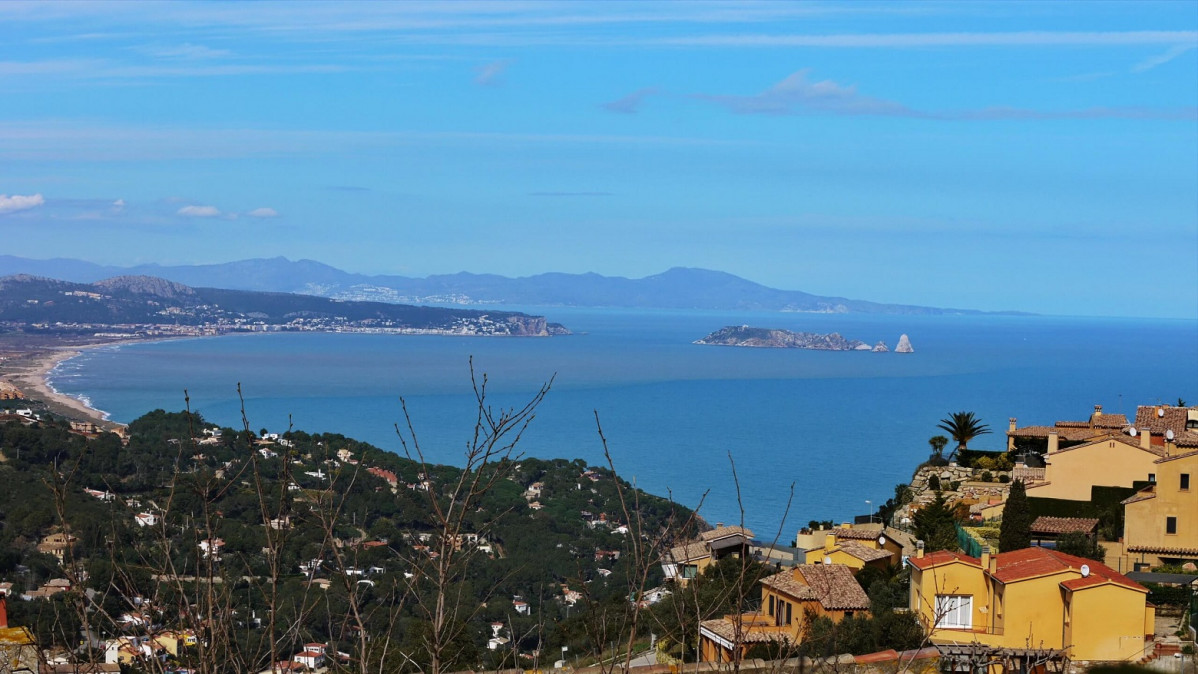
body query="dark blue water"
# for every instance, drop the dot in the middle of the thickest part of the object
(842, 427)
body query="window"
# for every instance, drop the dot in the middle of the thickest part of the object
(1185, 481)
(771, 604)
(954, 611)
(1152, 478)
(690, 571)
(788, 616)
(1170, 525)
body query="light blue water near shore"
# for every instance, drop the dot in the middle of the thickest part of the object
(843, 427)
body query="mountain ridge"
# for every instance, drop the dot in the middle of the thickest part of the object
(675, 288)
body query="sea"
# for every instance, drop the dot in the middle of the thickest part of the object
(773, 438)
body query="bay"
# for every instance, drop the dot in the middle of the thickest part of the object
(824, 432)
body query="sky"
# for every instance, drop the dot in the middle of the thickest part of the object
(1027, 156)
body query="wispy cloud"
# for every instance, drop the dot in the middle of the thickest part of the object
(186, 51)
(18, 202)
(491, 74)
(199, 212)
(263, 213)
(78, 140)
(798, 94)
(917, 40)
(1161, 59)
(632, 102)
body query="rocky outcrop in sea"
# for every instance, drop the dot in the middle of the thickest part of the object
(904, 345)
(744, 335)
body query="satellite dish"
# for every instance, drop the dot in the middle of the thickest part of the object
(827, 559)
(1085, 570)
(1169, 435)
(1132, 431)
(881, 540)
(1160, 411)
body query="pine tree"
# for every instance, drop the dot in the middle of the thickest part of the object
(1016, 530)
(935, 525)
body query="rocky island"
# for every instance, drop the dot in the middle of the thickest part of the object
(744, 335)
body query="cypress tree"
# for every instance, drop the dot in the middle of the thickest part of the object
(1015, 533)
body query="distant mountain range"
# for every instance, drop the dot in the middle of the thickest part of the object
(677, 288)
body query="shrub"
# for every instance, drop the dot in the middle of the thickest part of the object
(1004, 478)
(934, 482)
(954, 485)
(987, 476)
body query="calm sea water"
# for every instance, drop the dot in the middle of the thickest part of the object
(833, 429)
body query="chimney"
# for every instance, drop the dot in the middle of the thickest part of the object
(1146, 439)
(1010, 430)
(829, 541)
(1054, 441)
(1098, 410)
(986, 557)
(919, 549)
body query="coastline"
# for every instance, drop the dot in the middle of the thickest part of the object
(29, 371)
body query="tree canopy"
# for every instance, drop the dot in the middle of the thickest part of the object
(963, 427)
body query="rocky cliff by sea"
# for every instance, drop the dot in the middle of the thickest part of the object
(769, 338)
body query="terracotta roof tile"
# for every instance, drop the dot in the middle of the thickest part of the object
(1168, 418)
(786, 583)
(689, 552)
(1064, 525)
(856, 534)
(1064, 433)
(749, 634)
(1186, 455)
(835, 586)
(1117, 437)
(1144, 494)
(721, 532)
(1036, 562)
(940, 558)
(1167, 551)
(864, 553)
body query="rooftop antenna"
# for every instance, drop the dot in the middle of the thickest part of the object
(1085, 570)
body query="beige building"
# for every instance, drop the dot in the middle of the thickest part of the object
(1115, 460)
(854, 548)
(1031, 598)
(1161, 522)
(688, 560)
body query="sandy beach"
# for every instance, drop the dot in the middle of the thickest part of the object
(27, 369)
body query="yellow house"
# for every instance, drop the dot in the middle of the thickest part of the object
(856, 549)
(787, 600)
(1031, 598)
(1116, 460)
(1068, 432)
(1161, 522)
(688, 560)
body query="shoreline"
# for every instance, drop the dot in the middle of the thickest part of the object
(29, 370)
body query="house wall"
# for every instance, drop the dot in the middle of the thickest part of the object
(1106, 623)
(1034, 613)
(1144, 521)
(955, 578)
(1107, 463)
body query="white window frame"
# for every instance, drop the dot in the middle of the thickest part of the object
(954, 611)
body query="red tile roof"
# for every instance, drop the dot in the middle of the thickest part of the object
(722, 532)
(1186, 552)
(857, 534)
(1035, 562)
(940, 558)
(864, 553)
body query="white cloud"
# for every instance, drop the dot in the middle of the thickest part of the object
(263, 213)
(199, 211)
(19, 202)
(118, 205)
(491, 74)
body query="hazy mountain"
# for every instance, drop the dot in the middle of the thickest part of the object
(678, 288)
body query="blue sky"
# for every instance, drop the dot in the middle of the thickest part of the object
(1032, 156)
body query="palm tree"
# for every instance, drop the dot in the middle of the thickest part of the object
(963, 427)
(938, 443)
